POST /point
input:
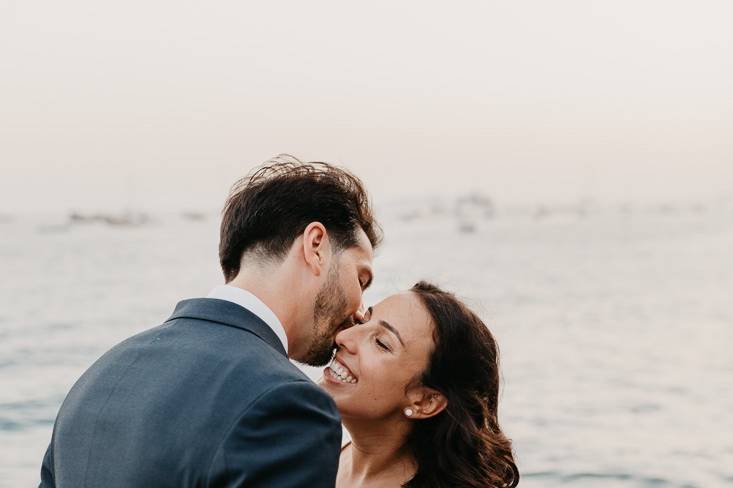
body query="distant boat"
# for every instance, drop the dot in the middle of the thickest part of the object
(541, 212)
(470, 209)
(467, 227)
(437, 208)
(127, 219)
(476, 205)
(410, 216)
(698, 208)
(194, 216)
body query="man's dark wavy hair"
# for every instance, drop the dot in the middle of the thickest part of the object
(270, 207)
(462, 446)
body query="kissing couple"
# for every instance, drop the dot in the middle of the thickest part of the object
(210, 399)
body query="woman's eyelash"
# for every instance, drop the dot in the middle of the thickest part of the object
(383, 345)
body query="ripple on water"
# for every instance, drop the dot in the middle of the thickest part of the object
(603, 326)
(604, 479)
(24, 406)
(11, 425)
(27, 415)
(54, 325)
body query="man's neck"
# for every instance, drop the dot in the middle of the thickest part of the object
(267, 285)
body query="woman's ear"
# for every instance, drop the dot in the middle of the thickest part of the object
(316, 247)
(425, 403)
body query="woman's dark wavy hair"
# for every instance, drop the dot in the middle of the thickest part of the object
(462, 446)
(269, 208)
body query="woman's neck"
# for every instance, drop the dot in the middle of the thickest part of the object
(378, 451)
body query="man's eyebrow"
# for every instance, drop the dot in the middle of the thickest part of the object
(389, 327)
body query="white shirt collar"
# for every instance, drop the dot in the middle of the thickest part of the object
(249, 301)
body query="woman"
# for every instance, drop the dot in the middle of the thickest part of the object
(417, 386)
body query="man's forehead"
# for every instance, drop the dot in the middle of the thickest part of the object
(363, 245)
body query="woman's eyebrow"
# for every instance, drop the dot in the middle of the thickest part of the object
(389, 327)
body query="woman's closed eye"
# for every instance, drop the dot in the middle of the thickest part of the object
(382, 344)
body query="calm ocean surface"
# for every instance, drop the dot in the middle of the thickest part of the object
(615, 326)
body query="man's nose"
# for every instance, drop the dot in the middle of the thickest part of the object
(360, 314)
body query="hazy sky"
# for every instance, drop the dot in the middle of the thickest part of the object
(163, 104)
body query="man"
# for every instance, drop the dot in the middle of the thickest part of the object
(209, 398)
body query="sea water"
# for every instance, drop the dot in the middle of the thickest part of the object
(615, 325)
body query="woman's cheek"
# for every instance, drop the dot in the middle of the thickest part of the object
(386, 382)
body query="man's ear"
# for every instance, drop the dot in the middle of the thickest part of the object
(316, 247)
(425, 402)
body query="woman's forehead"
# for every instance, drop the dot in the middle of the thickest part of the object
(406, 313)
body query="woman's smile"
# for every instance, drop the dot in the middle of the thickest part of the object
(338, 372)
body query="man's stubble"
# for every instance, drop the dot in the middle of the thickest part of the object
(329, 315)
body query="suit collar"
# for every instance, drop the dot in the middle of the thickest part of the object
(251, 302)
(227, 313)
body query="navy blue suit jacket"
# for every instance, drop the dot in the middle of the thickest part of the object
(208, 399)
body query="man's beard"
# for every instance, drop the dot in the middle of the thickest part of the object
(328, 316)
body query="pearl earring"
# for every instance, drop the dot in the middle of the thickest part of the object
(409, 412)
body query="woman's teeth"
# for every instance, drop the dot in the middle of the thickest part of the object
(341, 373)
